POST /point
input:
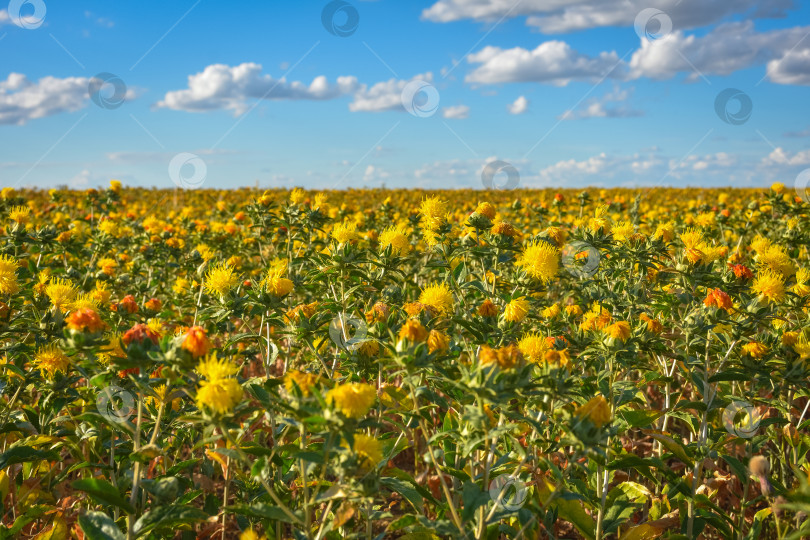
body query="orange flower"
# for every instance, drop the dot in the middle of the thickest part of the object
(128, 304)
(85, 320)
(138, 334)
(197, 342)
(153, 304)
(718, 299)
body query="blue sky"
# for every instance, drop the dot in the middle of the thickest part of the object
(569, 92)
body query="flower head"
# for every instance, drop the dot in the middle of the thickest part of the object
(516, 310)
(368, 450)
(434, 211)
(51, 360)
(352, 399)
(344, 233)
(221, 279)
(85, 320)
(438, 296)
(298, 379)
(540, 260)
(769, 286)
(61, 293)
(533, 347)
(196, 341)
(8, 275)
(597, 410)
(396, 238)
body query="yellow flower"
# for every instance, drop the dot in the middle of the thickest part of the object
(802, 347)
(61, 293)
(214, 369)
(368, 450)
(618, 330)
(301, 380)
(413, 331)
(221, 279)
(533, 347)
(50, 360)
(8, 275)
(250, 534)
(274, 281)
(435, 212)
(505, 358)
(438, 296)
(778, 187)
(395, 237)
(220, 396)
(665, 231)
(107, 265)
(516, 310)
(540, 260)
(437, 341)
(486, 209)
(551, 311)
(776, 260)
(597, 410)
(624, 231)
(802, 277)
(352, 399)
(115, 186)
(345, 233)
(769, 286)
(20, 214)
(691, 238)
(755, 349)
(297, 196)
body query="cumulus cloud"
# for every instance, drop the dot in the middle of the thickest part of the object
(782, 157)
(22, 100)
(602, 108)
(553, 62)
(726, 49)
(220, 86)
(792, 68)
(563, 16)
(374, 174)
(384, 95)
(519, 106)
(457, 112)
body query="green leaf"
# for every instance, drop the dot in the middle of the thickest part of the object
(673, 446)
(166, 517)
(99, 526)
(640, 418)
(25, 454)
(103, 492)
(405, 489)
(260, 510)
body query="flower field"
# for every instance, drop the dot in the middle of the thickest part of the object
(404, 364)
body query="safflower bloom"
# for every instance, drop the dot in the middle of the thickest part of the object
(505, 358)
(619, 330)
(298, 379)
(438, 297)
(20, 214)
(718, 299)
(51, 360)
(435, 212)
(769, 286)
(61, 293)
(344, 233)
(437, 341)
(352, 399)
(413, 331)
(221, 279)
(138, 334)
(220, 391)
(368, 450)
(533, 347)
(196, 342)
(85, 320)
(755, 349)
(516, 310)
(540, 260)
(395, 237)
(8, 275)
(486, 209)
(597, 410)
(487, 309)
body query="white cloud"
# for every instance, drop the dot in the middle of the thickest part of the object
(600, 108)
(553, 62)
(519, 106)
(22, 100)
(792, 68)
(726, 49)
(781, 157)
(220, 86)
(375, 174)
(457, 112)
(384, 95)
(562, 16)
